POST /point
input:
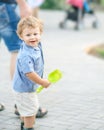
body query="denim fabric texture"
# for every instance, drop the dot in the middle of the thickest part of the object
(8, 25)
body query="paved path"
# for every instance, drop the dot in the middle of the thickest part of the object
(77, 101)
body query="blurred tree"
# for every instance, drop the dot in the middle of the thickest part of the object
(102, 2)
(53, 4)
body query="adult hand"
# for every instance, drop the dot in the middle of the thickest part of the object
(24, 9)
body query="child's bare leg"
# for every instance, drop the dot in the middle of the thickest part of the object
(29, 122)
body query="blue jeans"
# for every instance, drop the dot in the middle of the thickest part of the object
(8, 25)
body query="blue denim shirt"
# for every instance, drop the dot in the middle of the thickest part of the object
(29, 60)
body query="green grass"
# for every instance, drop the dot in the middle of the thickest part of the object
(100, 51)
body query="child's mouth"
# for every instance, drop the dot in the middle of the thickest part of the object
(32, 42)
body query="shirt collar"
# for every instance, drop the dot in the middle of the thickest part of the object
(29, 48)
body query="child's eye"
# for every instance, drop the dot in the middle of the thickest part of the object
(35, 34)
(28, 35)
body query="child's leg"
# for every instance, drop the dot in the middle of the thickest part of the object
(29, 122)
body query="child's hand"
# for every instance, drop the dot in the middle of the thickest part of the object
(45, 83)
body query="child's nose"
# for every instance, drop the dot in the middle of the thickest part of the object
(32, 36)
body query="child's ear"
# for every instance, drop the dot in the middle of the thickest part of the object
(21, 37)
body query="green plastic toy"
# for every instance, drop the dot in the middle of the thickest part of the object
(53, 77)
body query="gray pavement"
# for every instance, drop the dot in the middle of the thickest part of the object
(76, 102)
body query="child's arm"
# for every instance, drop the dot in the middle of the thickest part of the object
(37, 79)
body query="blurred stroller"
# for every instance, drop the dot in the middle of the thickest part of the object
(77, 12)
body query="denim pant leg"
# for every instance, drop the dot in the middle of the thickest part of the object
(8, 25)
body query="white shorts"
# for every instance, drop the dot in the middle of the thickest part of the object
(27, 103)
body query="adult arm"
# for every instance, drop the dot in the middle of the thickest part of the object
(24, 8)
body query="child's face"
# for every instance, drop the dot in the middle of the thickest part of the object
(31, 36)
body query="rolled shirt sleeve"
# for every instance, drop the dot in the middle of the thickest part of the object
(26, 65)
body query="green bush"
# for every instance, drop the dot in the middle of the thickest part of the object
(100, 51)
(52, 4)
